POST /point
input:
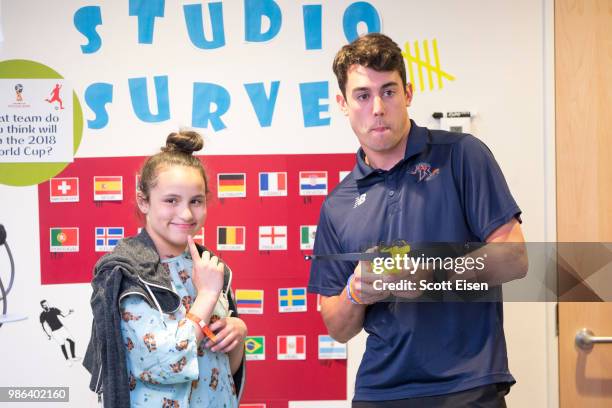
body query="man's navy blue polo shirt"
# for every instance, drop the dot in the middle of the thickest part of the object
(448, 188)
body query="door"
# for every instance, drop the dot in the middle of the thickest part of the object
(583, 96)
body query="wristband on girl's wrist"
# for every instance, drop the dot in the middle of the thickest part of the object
(350, 293)
(203, 326)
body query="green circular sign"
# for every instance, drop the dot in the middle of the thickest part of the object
(27, 174)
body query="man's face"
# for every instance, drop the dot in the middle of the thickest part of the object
(45, 306)
(376, 104)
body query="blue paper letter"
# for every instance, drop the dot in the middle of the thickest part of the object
(360, 12)
(146, 10)
(97, 96)
(254, 10)
(311, 93)
(263, 105)
(312, 26)
(86, 19)
(204, 96)
(140, 99)
(195, 26)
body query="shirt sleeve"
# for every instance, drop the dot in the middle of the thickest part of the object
(158, 351)
(484, 193)
(327, 277)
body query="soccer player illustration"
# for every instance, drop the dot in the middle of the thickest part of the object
(54, 328)
(55, 96)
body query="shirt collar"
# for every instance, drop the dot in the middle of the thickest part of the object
(417, 142)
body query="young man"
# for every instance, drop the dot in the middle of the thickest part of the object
(418, 185)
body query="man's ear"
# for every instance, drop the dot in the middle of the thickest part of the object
(341, 101)
(143, 203)
(409, 93)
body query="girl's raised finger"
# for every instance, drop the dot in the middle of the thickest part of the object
(193, 250)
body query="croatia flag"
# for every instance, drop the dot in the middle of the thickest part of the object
(313, 183)
(272, 184)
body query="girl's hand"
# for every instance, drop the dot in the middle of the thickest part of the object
(207, 275)
(230, 332)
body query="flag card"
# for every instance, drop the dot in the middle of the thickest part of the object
(330, 349)
(272, 184)
(64, 190)
(292, 300)
(307, 236)
(291, 347)
(108, 188)
(231, 185)
(249, 301)
(255, 348)
(273, 237)
(64, 239)
(230, 238)
(107, 238)
(313, 183)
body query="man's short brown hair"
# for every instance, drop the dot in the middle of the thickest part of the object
(375, 51)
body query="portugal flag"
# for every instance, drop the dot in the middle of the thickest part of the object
(64, 239)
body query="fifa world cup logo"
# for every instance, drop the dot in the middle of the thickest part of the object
(18, 91)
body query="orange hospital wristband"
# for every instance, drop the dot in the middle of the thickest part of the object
(203, 326)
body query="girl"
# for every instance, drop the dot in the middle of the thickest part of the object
(174, 340)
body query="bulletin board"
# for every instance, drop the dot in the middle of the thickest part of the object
(100, 212)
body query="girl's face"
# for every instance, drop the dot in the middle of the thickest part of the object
(176, 208)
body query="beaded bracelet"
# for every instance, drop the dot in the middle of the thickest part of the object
(352, 297)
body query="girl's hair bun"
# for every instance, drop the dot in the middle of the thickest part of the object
(185, 141)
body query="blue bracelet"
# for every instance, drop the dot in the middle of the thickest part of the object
(354, 300)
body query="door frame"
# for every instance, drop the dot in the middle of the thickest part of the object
(550, 178)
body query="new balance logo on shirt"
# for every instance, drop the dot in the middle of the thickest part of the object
(360, 200)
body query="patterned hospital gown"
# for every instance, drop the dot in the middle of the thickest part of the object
(166, 366)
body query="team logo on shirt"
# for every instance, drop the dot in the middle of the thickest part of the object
(423, 171)
(359, 200)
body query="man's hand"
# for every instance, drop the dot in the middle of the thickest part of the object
(409, 275)
(363, 284)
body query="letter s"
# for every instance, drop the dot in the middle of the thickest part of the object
(97, 96)
(86, 19)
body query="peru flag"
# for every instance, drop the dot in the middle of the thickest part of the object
(291, 347)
